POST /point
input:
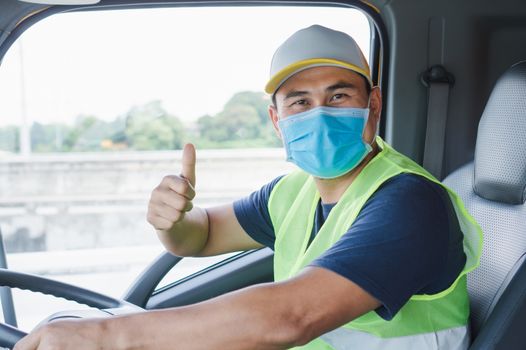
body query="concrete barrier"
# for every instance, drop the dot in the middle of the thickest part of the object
(95, 200)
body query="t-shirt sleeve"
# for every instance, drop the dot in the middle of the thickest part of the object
(253, 216)
(398, 244)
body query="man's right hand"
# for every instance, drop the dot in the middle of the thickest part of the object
(173, 197)
(188, 231)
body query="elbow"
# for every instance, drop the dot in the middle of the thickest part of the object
(296, 333)
(303, 333)
(294, 328)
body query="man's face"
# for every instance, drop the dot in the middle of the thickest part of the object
(326, 86)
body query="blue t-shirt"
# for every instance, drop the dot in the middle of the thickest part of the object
(406, 240)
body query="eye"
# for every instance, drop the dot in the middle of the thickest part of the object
(338, 97)
(301, 102)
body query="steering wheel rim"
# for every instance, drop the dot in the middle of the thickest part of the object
(10, 335)
(144, 285)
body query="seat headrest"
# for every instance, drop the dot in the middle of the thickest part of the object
(500, 153)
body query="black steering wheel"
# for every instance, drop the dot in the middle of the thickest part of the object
(134, 300)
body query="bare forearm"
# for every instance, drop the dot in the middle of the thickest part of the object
(188, 236)
(268, 316)
(241, 320)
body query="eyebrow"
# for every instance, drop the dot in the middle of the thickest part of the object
(337, 86)
(295, 93)
(341, 85)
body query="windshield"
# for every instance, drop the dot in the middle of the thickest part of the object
(100, 105)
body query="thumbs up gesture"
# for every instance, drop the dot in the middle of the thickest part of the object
(173, 197)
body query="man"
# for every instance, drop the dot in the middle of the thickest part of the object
(371, 251)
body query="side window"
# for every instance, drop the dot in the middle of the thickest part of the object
(99, 107)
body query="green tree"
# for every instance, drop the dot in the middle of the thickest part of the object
(151, 127)
(10, 139)
(258, 100)
(86, 134)
(236, 122)
(48, 137)
(242, 122)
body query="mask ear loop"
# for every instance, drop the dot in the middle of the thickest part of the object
(367, 144)
(377, 132)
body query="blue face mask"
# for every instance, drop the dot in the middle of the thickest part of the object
(326, 142)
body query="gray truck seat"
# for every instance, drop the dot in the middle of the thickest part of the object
(493, 189)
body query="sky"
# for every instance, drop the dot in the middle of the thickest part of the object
(192, 59)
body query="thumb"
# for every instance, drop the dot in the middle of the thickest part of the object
(188, 162)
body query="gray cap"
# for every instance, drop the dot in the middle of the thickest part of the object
(315, 46)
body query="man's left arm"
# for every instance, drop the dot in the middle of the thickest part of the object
(267, 316)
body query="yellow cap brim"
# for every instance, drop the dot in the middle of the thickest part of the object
(279, 78)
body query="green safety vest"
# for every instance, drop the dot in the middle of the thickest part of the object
(438, 321)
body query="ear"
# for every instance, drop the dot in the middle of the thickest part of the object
(375, 105)
(273, 115)
(375, 110)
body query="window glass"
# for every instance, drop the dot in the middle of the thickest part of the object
(99, 106)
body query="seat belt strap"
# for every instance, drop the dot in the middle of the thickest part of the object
(438, 81)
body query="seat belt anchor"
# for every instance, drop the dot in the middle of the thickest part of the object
(437, 74)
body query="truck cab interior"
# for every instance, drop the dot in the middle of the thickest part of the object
(453, 79)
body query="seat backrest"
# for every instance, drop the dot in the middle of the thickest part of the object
(493, 188)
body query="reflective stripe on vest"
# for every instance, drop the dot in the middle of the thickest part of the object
(292, 206)
(451, 339)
